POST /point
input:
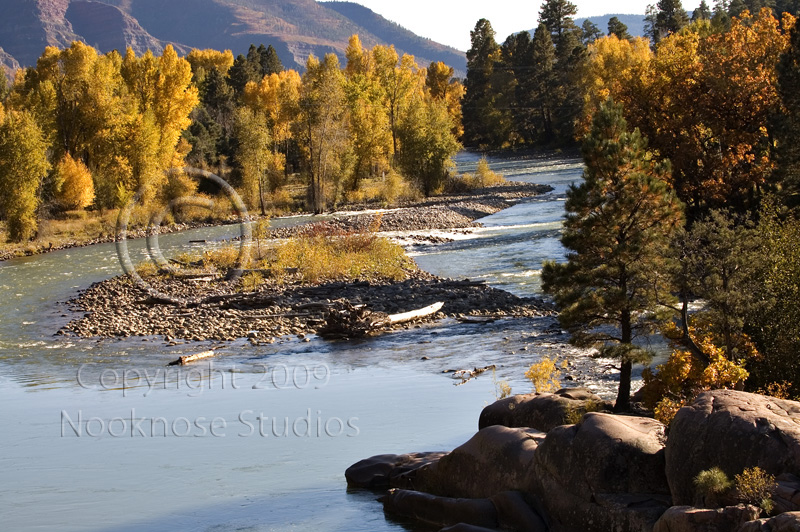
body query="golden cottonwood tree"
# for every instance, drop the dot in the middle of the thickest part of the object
(322, 129)
(208, 59)
(399, 78)
(23, 166)
(705, 102)
(370, 127)
(75, 186)
(276, 98)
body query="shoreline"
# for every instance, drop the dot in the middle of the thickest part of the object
(449, 211)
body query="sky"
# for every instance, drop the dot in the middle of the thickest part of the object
(450, 21)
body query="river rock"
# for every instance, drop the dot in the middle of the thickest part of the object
(381, 470)
(785, 522)
(606, 473)
(731, 430)
(541, 411)
(495, 460)
(440, 511)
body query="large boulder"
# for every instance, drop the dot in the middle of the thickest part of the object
(508, 510)
(381, 471)
(440, 511)
(688, 519)
(733, 431)
(785, 522)
(541, 411)
(496, 459)
(606, 473)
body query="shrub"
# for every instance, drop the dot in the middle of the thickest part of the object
(755, 486)
(544, 375)
(711, 484)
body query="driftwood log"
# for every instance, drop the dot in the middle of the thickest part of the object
(185, 359)
(355, 321)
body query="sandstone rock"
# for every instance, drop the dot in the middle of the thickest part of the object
(496, 459)
(688, 519)
(606, 473)
(441, 511)
(541, 411)
(785, 522)
(733, 431)
(379, 471)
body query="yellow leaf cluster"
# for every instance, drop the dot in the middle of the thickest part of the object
(208, 59)
(544, 375)
(77, 187)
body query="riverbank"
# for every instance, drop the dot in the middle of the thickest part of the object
(447, 211)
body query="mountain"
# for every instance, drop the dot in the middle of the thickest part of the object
(401, 38)
(635, 23)
(295, 28)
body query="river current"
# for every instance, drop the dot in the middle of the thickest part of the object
(100, 435)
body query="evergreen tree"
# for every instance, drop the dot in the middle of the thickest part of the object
(590, 32)
(736, 8)
(618, 28)
(542, 83)
(703, 12)
(558, 15)
(618, 228)
(478, 99)
(670, 18)
(243, 71)
(270, 62)
(720, 19)
(787, 127)
(788, 6)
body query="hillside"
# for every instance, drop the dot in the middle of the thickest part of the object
(635, 23)
(399, 36)
(295, 28)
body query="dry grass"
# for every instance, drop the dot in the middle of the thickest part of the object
(322, 256)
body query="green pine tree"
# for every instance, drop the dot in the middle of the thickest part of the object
(618, 228)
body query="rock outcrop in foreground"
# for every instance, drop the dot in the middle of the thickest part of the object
(607, 473)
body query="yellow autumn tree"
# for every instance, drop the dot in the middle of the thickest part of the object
(208, 59)
(23, 166)
(705, 101)
(615, 68)
(370, 128)
(76, 188)
(399, 78)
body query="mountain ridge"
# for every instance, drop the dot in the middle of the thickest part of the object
(295, 28)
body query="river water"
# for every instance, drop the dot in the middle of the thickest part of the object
(100, 435)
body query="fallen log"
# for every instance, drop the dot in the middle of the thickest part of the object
(185, 359)
(395, 319)
(354, 321)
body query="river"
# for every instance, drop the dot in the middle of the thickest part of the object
(99, 435)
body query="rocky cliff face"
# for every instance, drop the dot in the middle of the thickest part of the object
(28, 26)
(107, 28)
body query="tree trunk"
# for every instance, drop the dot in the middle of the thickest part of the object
(623, 403)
